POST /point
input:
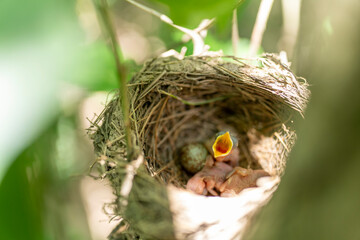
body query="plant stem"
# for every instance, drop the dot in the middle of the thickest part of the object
(260, 26)
(291, 22)
(121, 71)
(235, 33)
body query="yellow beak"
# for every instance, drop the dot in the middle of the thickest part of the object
(223, 145)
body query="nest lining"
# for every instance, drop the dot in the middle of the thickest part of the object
(174, 102)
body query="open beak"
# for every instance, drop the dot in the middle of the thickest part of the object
(223, 145)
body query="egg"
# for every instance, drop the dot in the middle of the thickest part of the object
(193, 157)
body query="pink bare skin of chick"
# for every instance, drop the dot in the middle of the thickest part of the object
(239, 179)
(211, 176)
(232, 158)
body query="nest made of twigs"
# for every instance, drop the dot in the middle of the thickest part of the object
(174, 102)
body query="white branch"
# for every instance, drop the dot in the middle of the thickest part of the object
(235, 33)
(128, 180)
(291, 22)
(198, 41)
(260, 26)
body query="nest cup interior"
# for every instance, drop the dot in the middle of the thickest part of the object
(185, 101)
(174, 102)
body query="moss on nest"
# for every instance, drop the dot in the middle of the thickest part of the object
(174, 102)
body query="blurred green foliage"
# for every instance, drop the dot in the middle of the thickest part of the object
(101, 75)
(189, 13)
(39, 41)
(227, 48)
(22, 19)
(319, 194)
(21, 195)
(44, 53)
(38, 189)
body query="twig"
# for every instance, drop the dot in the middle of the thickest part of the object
(260, 26)
(235, 33)
(121, 70)
(198, 41)
(128, 180)
(201, 29)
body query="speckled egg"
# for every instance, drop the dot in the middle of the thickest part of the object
(193, 157)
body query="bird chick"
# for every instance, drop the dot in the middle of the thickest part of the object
(239, 179)
(225, 148)
(211, 177)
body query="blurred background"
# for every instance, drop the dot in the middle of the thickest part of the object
(57, 73)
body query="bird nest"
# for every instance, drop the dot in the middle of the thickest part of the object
(174, 102)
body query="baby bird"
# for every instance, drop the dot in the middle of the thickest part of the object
(211, 177)
(225, 148)
(239, 179)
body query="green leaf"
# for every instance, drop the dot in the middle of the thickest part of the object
(189, 13)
